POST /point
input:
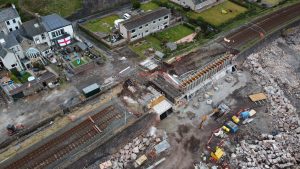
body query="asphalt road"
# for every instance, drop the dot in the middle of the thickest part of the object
(262, 26)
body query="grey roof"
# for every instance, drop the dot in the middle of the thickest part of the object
(171, 45)
(145, 18)
(3, 52)
(90, 88)
(8, 13)
(54, 21)
(33, 28)
(196, 2)
(10, 40)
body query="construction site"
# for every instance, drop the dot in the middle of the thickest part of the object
(217, 107)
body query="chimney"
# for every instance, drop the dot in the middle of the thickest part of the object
(13, 6)
(38, 16)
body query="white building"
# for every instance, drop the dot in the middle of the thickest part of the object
(33, 41)
(48, 29)
(12, 52)
(196, 5)
(9, 19)
(145, 24)
(57, 27)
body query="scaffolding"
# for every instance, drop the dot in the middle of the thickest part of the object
(206, 72)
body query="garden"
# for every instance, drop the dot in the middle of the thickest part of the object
(157, 40)
(104, 25)
(218, 14)
(149, 6)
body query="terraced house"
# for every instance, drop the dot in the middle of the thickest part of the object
(145, 24)
(196, 5)
(9, 19)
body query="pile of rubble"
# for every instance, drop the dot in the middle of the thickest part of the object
(280, 150)
(126, 156)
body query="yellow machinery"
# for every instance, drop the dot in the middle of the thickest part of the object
(217, 155)
(235, 119)
(226, 129)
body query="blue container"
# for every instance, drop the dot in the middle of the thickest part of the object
(245, 115)
(232, 126)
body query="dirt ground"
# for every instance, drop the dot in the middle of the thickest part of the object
(188, 143)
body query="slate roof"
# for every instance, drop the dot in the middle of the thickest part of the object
(54, 21)
(10, 40)
(196, 2)
(145, 18)
(3, 52)
(33, 27)
(8, 13)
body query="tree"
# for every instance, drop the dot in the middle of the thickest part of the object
(135, 4)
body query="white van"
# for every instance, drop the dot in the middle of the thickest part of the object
(126, 16)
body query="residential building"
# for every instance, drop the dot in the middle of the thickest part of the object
(11, 51)
(48, 29)
(196, 5)
(33, 41)
(57, 28)
(140, 26)
(9, 19)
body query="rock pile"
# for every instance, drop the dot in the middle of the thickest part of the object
(131, 151)
(280, 150)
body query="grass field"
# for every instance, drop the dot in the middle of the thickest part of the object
(44, 7)
(155, 41)
(74, 63)
(174, 34)
(149, 42)
(149, 6)
(271, 2)
(215, 16)
(102, 25)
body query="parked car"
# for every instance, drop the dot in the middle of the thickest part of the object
(81, 20)
(126, 16)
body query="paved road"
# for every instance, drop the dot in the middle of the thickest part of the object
(261, 26)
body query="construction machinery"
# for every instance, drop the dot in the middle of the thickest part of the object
(14, 129)
(217, 154)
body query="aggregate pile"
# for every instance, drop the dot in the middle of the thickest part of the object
(279, 149)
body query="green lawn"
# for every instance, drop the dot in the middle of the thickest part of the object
(74, 63)
(174, 34)
(102, 24)
(149, 6)
(215, 16)
(45, 7)
(149, 42)
(271, 2)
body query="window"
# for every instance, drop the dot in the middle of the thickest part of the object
(43, 36)
(154, 21)
(166, 17)
(134, 36)
(7, 22)
(146, 25)
(140, 27)
(17, 27)
(62, 31)
(165, 23)
(14, 21)
(10, 29)
(159, 19)
(13, 65)
(133, 30)
(53, 34)
(147, 31)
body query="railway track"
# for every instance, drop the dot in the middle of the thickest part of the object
(260, 27)
(68, 142)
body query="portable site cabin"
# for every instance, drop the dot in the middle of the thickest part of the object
(91, 90)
